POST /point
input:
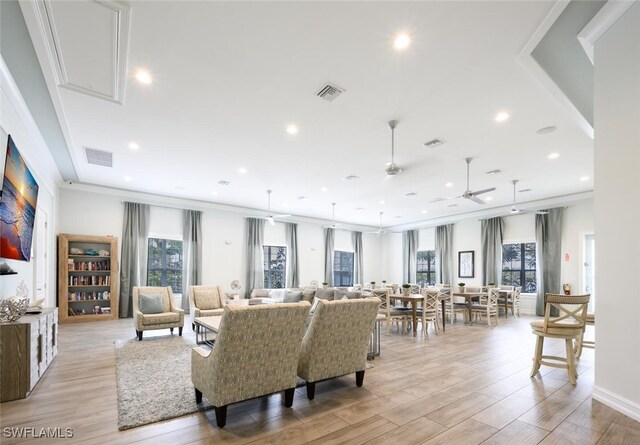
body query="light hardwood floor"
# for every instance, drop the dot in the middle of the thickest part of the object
(470, 385)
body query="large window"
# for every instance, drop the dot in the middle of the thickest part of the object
(164, 264)
(342, 268)
(426, 269)
(519, 266)
(275, 260)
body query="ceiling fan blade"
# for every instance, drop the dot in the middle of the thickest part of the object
(448, 198)
(270, 219)
(480, 192)
(475, 199)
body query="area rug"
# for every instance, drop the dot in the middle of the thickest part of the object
(154, 380)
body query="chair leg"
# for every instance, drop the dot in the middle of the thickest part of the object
(180, 331)
(388, 327)
(537, 355)
(288, 397)
(171, 330)
(193, 326)
(359, 378)
(571, 361)
(221, 415)
(139, 335)
(578, 348)
(311, 390)
(198, 396)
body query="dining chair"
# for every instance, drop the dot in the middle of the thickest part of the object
(515, 301)
(582, 343)
(568, 325)
(414, 289)
(392, 313)
(506, 288)
(453, 307)
(489, 307)
(429, 311)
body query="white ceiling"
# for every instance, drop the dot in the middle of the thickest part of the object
(229, 77)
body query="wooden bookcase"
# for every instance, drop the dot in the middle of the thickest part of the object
(87, 282)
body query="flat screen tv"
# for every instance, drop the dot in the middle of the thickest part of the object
(17, 206)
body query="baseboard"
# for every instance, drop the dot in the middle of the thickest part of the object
(620, 404)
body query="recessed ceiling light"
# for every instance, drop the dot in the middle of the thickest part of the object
(449, 184)
(553, 156)
(324, 189)
(214, 193)
(223, 182)
(423, 212)
(494, 172)
(402, 41)
(292, 129)
(351, 178)
(488, 198)
(411, 194)
(144, 77)
(242, 170)
(381, 202)
(128, 178)
(584, 178)
(546, 130)
(134, 146)
(502, 116)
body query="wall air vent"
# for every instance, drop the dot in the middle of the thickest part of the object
(329, 92)
(98, 157)
(433, 143)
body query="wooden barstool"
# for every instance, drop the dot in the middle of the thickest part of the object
(582, 343)
(569, 326)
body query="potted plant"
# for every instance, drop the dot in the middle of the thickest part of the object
(461, 287)
(325, 284)
(384, 282)
(406, 289)
(373, 285)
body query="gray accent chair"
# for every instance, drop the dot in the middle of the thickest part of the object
(172, 317)
(256, 353)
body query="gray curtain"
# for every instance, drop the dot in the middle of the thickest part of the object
(492, 236)
(254, 235)
(329, 239)
(548, 256)
(191, 253)
(292, 255)
(358, 276)
(444, 254)
(409, 255)
(133, 259)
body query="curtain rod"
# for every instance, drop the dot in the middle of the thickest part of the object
(158, 205)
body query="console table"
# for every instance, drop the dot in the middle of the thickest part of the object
(27, 348)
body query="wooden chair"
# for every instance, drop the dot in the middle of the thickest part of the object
(489, 307)
(582, 343)
(515, 301)
(414, 289)
(569, 326)
(453, 307)
(429, 311)
(392, 313)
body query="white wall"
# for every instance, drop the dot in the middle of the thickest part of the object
(99, 211)
(617, 214)
(16, 120)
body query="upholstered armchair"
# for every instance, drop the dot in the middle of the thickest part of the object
(205, 301)
(337, 341)
(256, 353)
(170, 317)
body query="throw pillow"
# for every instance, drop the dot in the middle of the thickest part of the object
(325, 293)
(344, 298)
(260, 293)
(292, 297)
(308, 295)
(151, 304)
(354, 295)
(207, 298)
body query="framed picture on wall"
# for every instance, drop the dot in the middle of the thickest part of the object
(466, 261)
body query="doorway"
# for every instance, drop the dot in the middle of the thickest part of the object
(589, 265)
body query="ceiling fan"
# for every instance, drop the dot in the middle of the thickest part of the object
(333, 219)
(379, 231)
(473, 196)
(514, 209)
(271, 218)
(392, 168)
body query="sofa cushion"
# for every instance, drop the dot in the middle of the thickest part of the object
(211, 312)
(151, 304)
(260, 293)
(308, 294)
(165, 317)
(292, 297)
(325, 293)
(207, 298)
(276, 294)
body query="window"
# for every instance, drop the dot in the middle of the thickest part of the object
(519, 266)
(342, 268)
(164, 264)
(275, 260)
(426, 269)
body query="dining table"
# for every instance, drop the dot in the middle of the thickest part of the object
(414, 299)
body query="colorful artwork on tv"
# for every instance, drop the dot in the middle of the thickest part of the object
(17, 207)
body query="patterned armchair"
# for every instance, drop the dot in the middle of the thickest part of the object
(172, 317)
(205, 301)
(337, 341)
(256, 353)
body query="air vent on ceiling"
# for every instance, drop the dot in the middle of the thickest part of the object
(411, 194)
(329, 92)
(434, 143)
(223, 182)
(351, 178)
(494, 172)
(524, 190)
(99, 157)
